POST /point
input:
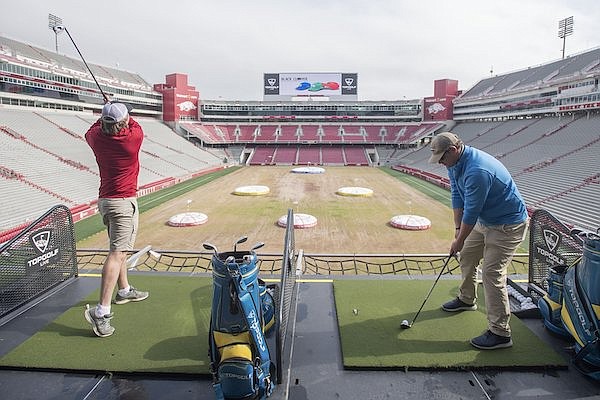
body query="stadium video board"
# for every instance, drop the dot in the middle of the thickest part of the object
(333, 85)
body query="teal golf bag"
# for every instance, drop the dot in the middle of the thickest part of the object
(242, 315)
(550, 305)
(581, 307)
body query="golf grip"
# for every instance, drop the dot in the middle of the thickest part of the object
(432, 286)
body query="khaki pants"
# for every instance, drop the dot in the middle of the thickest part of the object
(496, 245)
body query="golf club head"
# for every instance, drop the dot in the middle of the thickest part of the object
(209, 246)
(241, 239)
(155, 254)
(257, 246)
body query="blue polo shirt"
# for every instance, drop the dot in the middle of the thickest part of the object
(482, 186)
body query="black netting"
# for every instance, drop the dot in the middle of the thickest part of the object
(40, 257)
(550, 243)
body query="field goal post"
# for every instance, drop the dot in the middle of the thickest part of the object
(39, 259)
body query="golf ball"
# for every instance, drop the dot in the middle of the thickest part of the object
(405, 322)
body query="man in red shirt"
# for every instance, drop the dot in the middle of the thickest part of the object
(116, 140)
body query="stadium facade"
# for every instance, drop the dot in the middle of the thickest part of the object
(547, 115)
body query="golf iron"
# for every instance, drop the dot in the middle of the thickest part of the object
(209, 246)
(406, 324)
(238, 241)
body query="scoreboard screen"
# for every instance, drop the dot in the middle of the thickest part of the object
(341, 86)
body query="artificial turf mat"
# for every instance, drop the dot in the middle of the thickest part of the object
(166, 333)
(371, 337)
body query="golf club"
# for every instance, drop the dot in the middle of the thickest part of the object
(209, 246)
(241, 239)
(406, 324)
(64, 28)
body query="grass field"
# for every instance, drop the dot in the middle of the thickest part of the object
(345, 224)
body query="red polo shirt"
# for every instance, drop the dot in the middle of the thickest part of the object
(117, 158)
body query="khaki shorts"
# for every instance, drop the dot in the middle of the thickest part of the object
(120, 216)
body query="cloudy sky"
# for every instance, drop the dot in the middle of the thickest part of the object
(397, 47)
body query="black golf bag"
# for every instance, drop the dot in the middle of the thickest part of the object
(242, 314)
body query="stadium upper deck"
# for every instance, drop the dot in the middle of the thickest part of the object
(566, 85)
(33, 77)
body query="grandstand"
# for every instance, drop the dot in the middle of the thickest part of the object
(542, 122)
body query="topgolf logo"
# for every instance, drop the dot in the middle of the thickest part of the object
(41, 241)
(551, 238)
(255, 326)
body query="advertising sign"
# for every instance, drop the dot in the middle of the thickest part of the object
(322, 84)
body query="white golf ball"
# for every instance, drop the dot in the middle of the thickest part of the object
(405, 322)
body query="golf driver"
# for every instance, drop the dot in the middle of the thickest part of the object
(64, 28)
(406, 324)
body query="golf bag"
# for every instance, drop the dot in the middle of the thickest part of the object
(581, 307)
(550, 305)
(242, 313)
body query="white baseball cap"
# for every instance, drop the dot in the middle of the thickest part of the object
(115, 112)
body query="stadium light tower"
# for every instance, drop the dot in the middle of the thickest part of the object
(565, 28)
(55, 23)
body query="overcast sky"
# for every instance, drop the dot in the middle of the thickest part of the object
(397, 47)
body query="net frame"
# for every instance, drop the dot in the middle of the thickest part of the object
(551, 243)
(37, 260)
(285, 293)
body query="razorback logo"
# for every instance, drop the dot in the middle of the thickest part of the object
(551, 238)
(435, 108)
(186, 106)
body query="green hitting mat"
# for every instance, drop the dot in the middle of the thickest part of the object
(369, 314)
(166, 333)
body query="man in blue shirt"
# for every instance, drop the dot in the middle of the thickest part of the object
(491, 221)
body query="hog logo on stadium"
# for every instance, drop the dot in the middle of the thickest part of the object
(435, 108)
(186, 106)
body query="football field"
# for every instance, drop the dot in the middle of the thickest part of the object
(344, 224)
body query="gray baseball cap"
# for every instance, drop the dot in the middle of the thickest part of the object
(441, 143)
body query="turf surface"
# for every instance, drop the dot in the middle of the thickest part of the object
(371, 337)
(167, 333)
